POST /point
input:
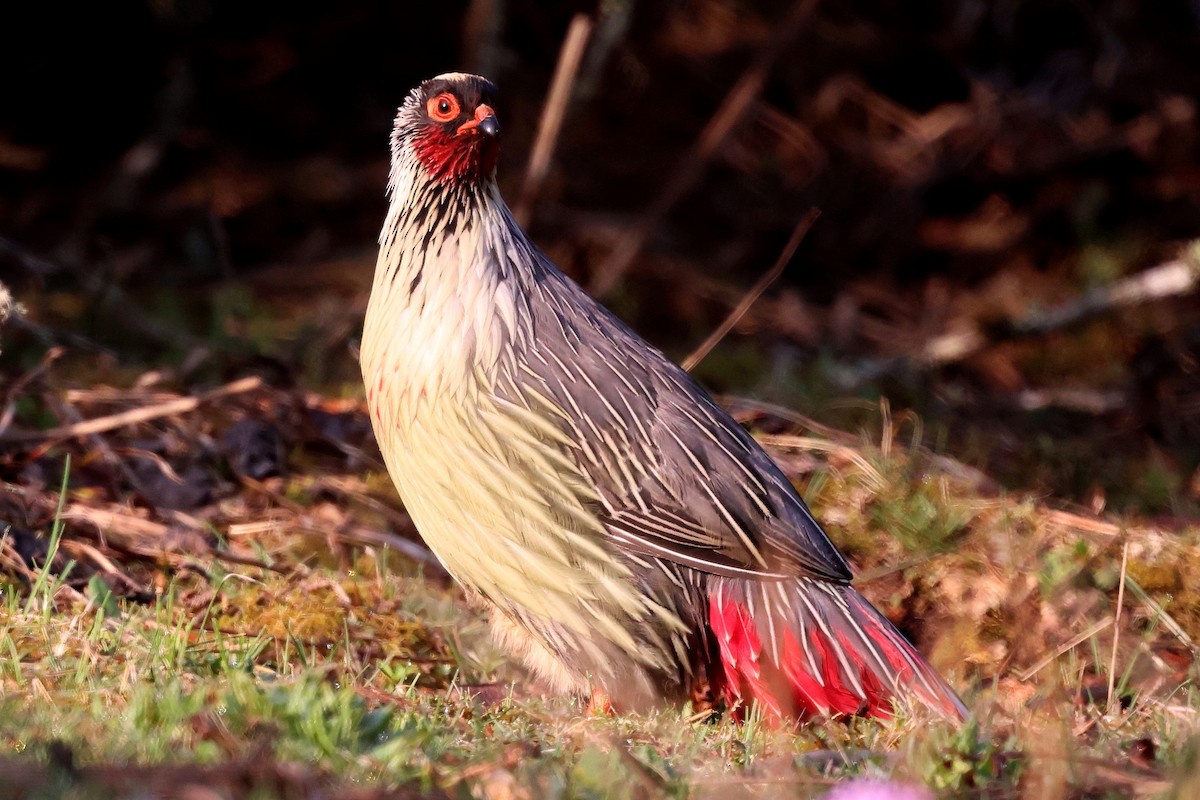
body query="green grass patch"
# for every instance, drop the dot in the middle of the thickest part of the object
(351, 672)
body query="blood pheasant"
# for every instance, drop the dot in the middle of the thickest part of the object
(626, 533)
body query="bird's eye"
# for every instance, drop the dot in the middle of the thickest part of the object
(442, 108)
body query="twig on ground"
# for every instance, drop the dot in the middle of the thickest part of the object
(107, 455)
(1158, 613)
(1074, 641)
(745, 409)
(106, 565)
(1088, 401)
(732, 110)
(353, 490)
(152, 540)
(357, 534)
(133, 416)
(552, 115)
(277, 498)
(1143, 784)
(14, 391)
(869, 473)
(1172, 279)
(1081, 524)
(763, 283)
(13, 563)
(1112, 665)
(102, 561)
(127, 525)
(354, 534)
(760, 407)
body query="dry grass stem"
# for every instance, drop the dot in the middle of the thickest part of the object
(871, 475)
(1173, 279)
(555, 110)
(734, 107)
(755, 292)
(1112, 665)
(1074, 641)
(133, 416)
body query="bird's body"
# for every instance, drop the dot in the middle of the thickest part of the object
(628, 534)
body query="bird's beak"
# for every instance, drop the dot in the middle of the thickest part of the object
(485, 122)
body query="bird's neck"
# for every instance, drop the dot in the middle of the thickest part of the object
(446, 305)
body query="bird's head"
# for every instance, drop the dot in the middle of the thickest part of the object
(448, 125)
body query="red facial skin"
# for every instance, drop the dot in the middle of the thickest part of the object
(462, 154)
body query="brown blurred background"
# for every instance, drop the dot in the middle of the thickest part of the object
(190, 176)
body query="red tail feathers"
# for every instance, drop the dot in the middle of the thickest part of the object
(817, 648)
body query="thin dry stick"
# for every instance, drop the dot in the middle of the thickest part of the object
(482, 29)
(1081, 637)
(104, 562)
(1112, 666)
(18, 386)
(1077, 523)
(738, 405)
(147, 538)
(1160, 615)
(133, 416)
(552, 115)
(783, 440)
(77, 547)
(359, 534)
(8, 409)
(739, 311)
(99, 445)
(733, 108)
(1172, 279)
(739, 402)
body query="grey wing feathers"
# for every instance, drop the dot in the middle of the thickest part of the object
(677, 478)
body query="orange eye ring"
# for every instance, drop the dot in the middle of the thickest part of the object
(442, 108)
